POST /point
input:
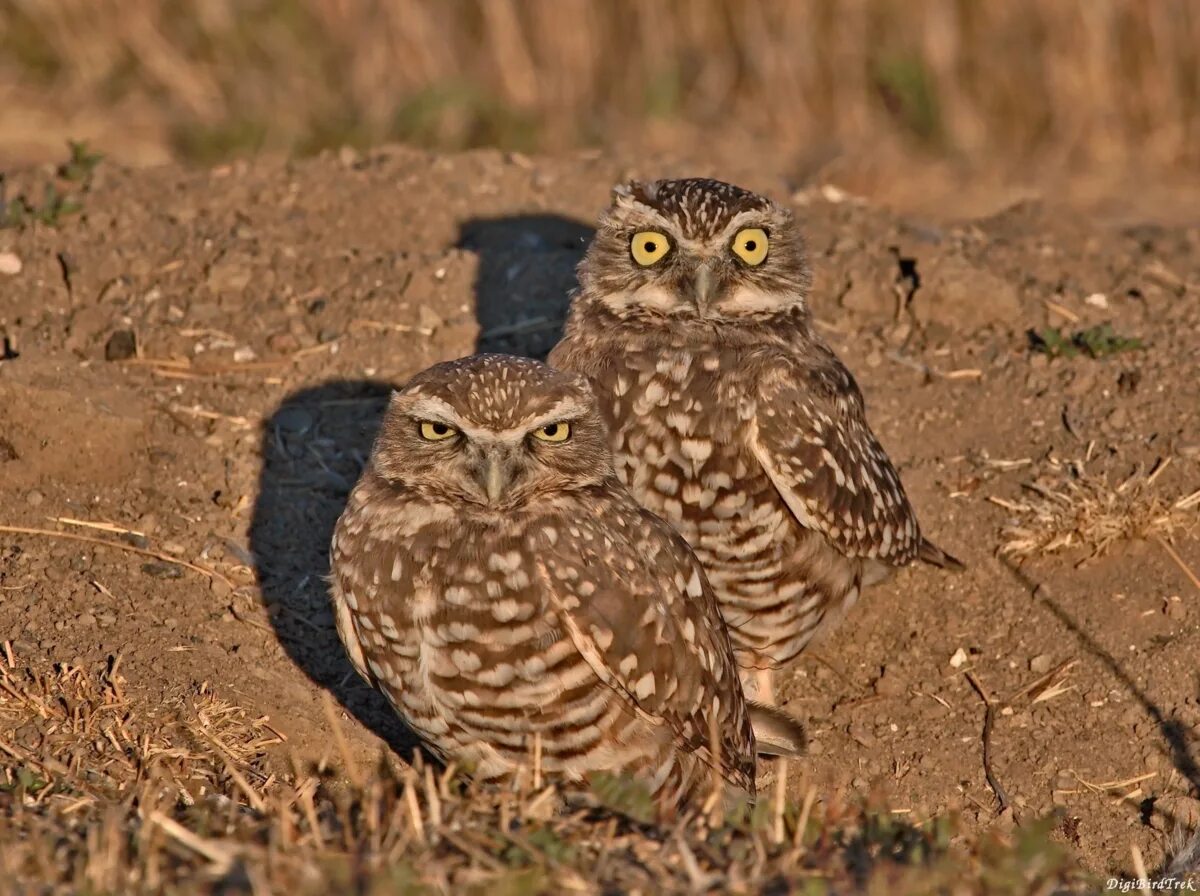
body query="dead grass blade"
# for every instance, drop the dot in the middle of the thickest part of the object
(1084, 511)
(119, 546)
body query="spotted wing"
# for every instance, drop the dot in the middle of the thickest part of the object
(635, 601)
(811, 436)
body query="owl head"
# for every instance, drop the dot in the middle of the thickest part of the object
(698, 249)
(494, 431)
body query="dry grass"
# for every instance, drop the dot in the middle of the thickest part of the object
(1071, 508)
(1075, 80)
(98, 797)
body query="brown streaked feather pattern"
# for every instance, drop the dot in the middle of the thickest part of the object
(566, 614)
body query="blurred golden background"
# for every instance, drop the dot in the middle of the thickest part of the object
(1060, 84)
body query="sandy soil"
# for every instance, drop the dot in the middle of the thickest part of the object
(272, 304)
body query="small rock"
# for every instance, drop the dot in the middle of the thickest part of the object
(161, 570)
(1097, 300)
(833, 194)
(10, 264)
(85, 619)
(1175, 608)
(294, 420)
(959, 658)
(34, 498)
(1041, 664)
(121, 346)
(283, 343)
(1083, 380)
(244, 354)
(428, 319)
(1118, 419)
(231, 274)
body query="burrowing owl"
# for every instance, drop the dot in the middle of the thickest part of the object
(494, 579)
(730, 416)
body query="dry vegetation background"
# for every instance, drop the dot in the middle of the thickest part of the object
(1063, 84)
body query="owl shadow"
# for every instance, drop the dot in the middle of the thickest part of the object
(525, 279)
(313, 447)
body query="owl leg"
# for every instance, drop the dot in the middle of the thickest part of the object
(764, 686)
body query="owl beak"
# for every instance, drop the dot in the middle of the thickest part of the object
(702, 286)
(495, 476)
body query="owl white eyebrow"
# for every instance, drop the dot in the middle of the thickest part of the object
(753, 217)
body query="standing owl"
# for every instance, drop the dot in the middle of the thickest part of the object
(493, 578)
(730, 417)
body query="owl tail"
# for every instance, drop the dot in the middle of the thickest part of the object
(931, 553)
(775, 732)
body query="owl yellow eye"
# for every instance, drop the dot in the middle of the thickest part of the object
(750, 245)
(649, 247)
(553, 432)
(435, 431)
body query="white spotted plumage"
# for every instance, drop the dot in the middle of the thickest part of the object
(555, 607)
(730, 416)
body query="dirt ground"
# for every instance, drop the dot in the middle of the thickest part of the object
(272, 304)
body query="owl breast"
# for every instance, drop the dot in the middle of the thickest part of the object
(679, 424)
(454, 626)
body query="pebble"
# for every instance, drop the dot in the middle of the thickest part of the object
(160, 570)
(294, 419)
(85, 619)
(1083, 380)
(1118, 419)
(34, 498)
(10, 263)
(428, 319)
(1041, 664)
